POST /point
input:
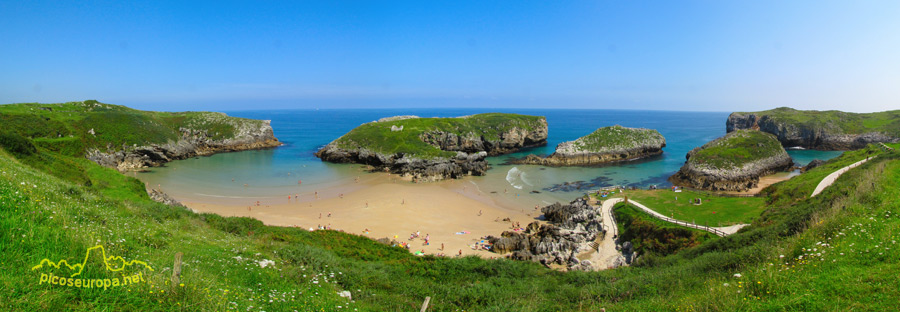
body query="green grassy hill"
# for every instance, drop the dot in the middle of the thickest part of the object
(836, 251)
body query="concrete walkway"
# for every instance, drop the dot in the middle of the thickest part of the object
(721, 231)
(606, 255)
(827, 181)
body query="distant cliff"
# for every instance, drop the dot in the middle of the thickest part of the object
(123, 138)
(733, 162)
(822, 130)
(605, 145)
(432, 149)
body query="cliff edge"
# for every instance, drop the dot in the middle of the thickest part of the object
(821, 130)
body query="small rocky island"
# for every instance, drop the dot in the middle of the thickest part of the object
(821, 130)
(431, 149)
(605, 145)
(733, 162)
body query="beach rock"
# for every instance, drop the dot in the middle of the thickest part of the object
(573, 227)
(831, 130)
(471, 147)
(733, 162)
(192, 143)
(812, 164)
(164, 198)
(605, 145)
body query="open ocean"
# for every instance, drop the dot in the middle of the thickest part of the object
(275, 173)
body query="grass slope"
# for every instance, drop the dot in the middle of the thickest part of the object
(378, 136)
(44, 216)
(737, 148)
(837, 121)
(714, 211)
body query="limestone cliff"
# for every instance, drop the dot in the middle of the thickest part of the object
(605, 145)
(247, 135)
(822, 130)
(430, 149)
(573, 227)
(733, 162)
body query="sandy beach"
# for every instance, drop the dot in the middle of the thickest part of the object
(764, 182)
(454, 214)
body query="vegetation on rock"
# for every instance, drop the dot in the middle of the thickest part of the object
(604, 145)
(829, 130)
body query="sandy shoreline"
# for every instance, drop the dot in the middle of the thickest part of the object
(389, 207)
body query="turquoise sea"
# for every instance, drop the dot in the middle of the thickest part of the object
(274, 173)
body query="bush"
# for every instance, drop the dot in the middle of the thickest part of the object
(17, 145)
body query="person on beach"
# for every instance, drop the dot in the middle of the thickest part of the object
(442, 246)
(479, 213)
(460, 253)
(329, 214)
(317, 194)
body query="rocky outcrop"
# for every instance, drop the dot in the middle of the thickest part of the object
(605, 145)
(164, 198)
(814, 134)
(471, 149)
(247, 136)
(573, 227)
(733, 162)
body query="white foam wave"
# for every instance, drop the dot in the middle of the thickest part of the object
(514, 177)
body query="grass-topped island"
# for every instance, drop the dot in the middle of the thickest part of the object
(436, 148)
(733, 162)
(604, 145)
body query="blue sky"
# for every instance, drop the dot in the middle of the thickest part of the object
(660, 55)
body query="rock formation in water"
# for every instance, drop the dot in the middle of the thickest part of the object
(733, 162)
(430, 149)
(605, 145)
(822, 130)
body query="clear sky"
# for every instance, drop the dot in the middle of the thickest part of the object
(660, 55)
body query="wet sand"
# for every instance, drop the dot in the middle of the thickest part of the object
(390, 207)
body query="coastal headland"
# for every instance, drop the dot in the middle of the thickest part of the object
(821, 130)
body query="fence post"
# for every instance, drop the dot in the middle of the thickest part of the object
(176, 269)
